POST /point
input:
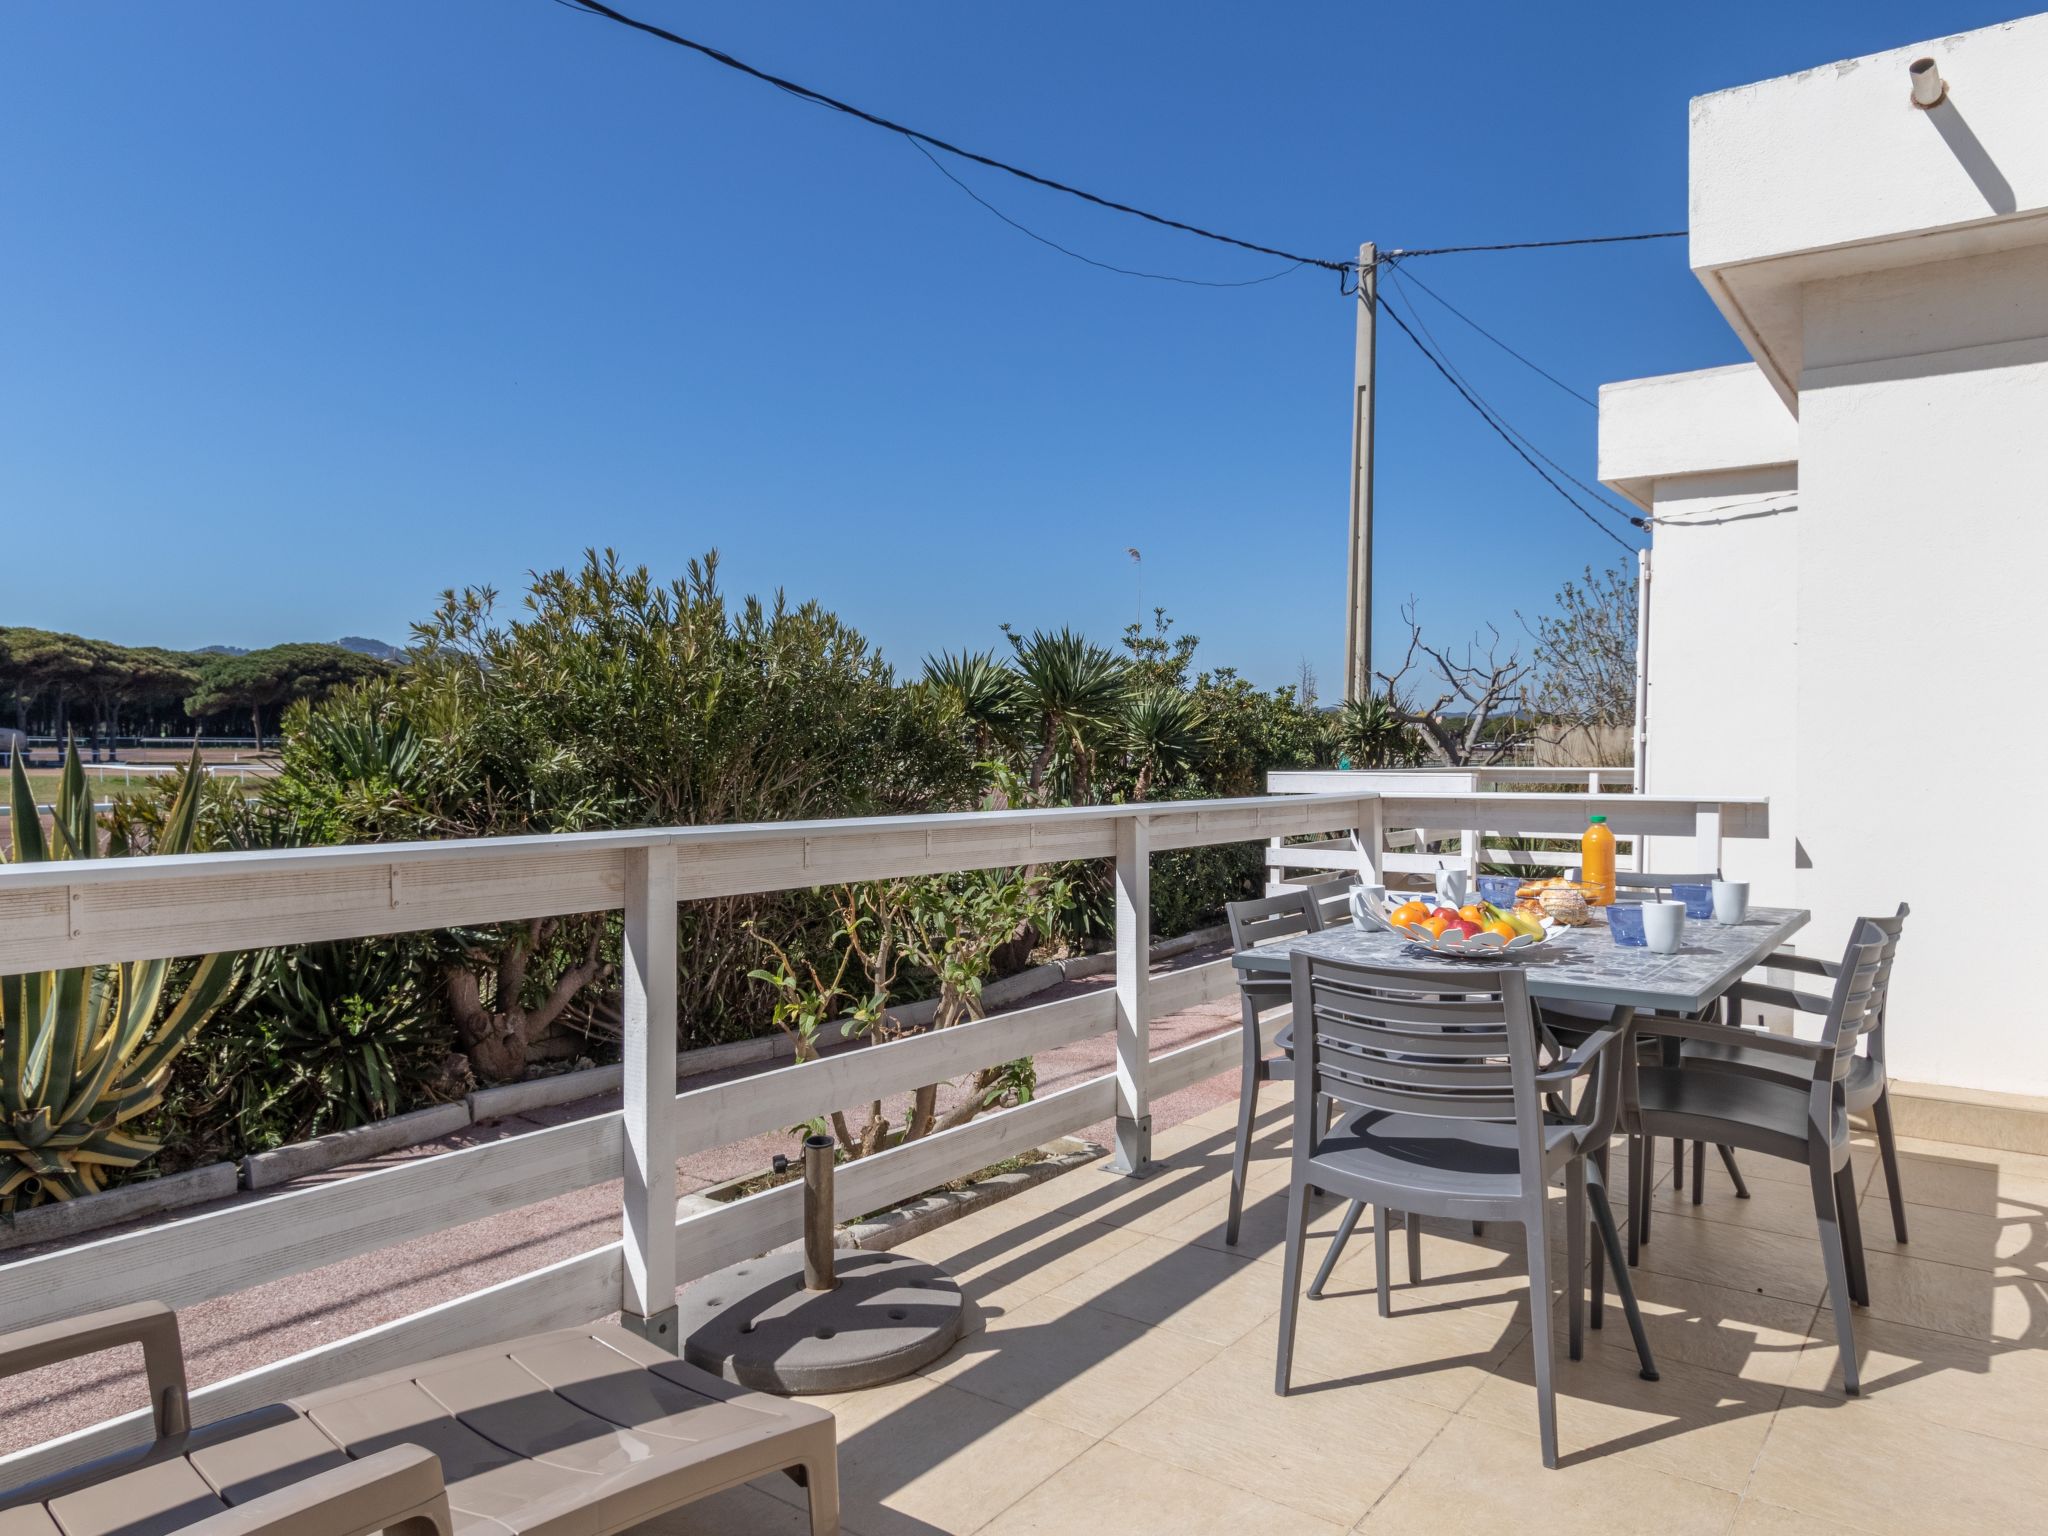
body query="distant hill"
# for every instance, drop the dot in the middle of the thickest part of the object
(362, 645)
(376, 649)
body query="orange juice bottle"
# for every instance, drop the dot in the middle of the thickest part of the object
(1596, 862)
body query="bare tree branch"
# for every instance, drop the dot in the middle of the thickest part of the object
(1490, 688)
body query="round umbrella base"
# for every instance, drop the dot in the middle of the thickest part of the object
(754, 1323)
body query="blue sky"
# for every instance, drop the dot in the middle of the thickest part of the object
(312, 311)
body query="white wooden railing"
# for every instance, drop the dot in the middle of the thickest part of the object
(101, 911)
(1427, 820)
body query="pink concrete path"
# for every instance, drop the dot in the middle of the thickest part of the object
(232, 1334)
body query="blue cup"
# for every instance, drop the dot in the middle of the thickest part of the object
(1625, 924)
(1500, 889)
(1698, 899)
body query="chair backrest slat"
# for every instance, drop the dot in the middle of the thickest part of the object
(1431, 1013)
(1269, 918)
(1853, 1007)
(1892, 928)
(1371, 1094)
(1389, 1040)
(1329, 902)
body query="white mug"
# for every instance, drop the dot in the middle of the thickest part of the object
(1367, 902)
(1663, 925)
(1450, 887)
(1731, 900)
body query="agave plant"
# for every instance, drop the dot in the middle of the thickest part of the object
(84, 1052)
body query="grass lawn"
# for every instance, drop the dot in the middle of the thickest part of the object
(42, 783)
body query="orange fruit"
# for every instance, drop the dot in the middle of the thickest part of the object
(1507, 930)
(1472, 912)
(1435, 925)
(1408, 912)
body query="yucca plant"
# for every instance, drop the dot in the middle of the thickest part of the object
(84, 1052)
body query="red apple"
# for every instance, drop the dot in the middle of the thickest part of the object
(1449, 915)
(1469, 929)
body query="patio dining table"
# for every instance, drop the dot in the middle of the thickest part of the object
(1584, 965)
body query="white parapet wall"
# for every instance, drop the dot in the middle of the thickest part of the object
(1832, 172)
(1846, 598)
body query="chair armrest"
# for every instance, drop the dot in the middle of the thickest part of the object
(1777, 997)
(149, 1323)
(398, 1490)
(1812, 965)
(1722, 1034)
(1575, 1065)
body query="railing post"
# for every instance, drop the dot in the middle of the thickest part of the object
(1133, 995)
(1707, 835)
(1371, 838)
(648, 1302)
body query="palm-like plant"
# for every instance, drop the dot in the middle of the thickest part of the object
(1076, 689)
(1373, 732)
(979, 691)
(84, 1052)
(1164, 729)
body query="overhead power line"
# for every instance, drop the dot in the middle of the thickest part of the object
(1602, 499)
(718, 56)
(1537, 245)
(1157, 277)
(1345, 269)
(1408, 277)
(1484, 415)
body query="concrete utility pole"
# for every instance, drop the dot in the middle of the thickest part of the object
(1358, 596)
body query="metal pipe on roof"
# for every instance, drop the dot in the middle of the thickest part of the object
(1929, 88)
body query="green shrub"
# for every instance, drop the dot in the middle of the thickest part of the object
(332, 1036)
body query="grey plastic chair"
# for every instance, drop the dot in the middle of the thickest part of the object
(1331, 901)
(1635, 885)
(1866, 1090)
(1444, 1073)
(1303, 910)
(1257, 922)
(1801, 1118)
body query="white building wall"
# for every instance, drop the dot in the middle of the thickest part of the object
(1870, 658)
(1723, 583)
(1922, 638)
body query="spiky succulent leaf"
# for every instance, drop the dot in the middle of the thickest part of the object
(83, 1051)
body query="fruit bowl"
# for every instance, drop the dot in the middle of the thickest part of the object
(1452, 943)
(1478, 931)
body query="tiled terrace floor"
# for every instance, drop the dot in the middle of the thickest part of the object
(1120, 1377)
